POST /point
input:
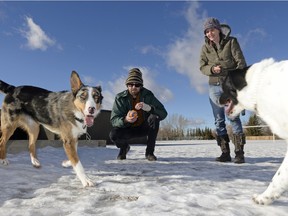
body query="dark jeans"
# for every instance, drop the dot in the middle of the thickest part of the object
(120, 136)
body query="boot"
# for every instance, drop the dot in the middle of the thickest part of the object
(123, 151)
(150, 157)
(223, 142)
(239, 140)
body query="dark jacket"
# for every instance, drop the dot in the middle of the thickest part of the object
(229, 55)
(122, 105)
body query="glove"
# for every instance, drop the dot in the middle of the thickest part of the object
(153, 121)
(146, 107)
(143, 106)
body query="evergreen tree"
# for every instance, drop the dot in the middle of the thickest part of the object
(254, 121)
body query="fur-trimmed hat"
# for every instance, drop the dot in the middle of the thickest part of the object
(212, 23)
(134, 76)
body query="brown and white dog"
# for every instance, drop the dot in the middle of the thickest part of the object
(262, 88)
(65, 113)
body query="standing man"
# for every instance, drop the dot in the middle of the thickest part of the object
(221, 53)
(136, 112)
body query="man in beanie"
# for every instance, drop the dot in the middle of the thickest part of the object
(221, 53)
(136, 112)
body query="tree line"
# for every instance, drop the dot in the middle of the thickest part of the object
(177, 127)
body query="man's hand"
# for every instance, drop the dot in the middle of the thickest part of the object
(143, 106)
(131, 117)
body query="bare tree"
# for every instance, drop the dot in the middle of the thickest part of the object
(174, 125)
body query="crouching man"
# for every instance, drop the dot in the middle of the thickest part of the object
(136, 113)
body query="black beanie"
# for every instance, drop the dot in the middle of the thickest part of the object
(134, 76)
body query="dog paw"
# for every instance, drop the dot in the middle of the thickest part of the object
(88, 183)
(35, 162)
(262, 200)
(66, 163)
(4, 162)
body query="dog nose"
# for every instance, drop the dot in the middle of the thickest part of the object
(91, 110)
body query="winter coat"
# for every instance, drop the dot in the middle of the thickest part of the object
(123, 104)
(229, 55)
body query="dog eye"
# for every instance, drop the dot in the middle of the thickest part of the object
(96, 95)
(83, 96)
(97, 99)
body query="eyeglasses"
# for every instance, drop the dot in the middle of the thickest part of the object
(137, 85)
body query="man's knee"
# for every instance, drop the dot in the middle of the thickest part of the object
(112, 135)
(153, 121)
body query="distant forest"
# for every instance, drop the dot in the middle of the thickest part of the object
(176, 127)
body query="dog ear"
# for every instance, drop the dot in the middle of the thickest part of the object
(238, 78)
(75, 82)
(99, 88)
(230, 87)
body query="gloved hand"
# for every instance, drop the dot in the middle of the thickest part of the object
(153, 121)
(144, 106)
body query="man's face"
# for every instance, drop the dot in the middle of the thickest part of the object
(134, 88)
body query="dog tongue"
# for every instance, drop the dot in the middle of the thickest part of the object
(89, 121)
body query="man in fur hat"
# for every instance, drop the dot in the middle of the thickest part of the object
(136, 112)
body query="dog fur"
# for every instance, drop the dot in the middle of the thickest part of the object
(262, 88)
(65, 113)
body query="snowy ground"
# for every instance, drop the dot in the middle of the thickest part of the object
(184, 181)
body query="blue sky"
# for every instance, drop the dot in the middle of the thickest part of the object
(42, 42)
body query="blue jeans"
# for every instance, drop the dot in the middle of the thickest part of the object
(215, 92)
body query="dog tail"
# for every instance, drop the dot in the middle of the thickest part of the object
(6, 88)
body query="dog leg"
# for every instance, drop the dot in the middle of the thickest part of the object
(3, 159)
(32, 128)
(4, 162)
(278, 185)
(7, 131)
(71, 152)
(66, 163)
(35, 162)
(86, 182)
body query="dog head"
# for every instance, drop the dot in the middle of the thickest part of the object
(234, 82)
(87, 99)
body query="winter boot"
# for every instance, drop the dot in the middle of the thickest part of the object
(123, 151)
(223, 142)
(239, 140)
(151, 157)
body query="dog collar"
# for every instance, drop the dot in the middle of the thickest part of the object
(81, 121)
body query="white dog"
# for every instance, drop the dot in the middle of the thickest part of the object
(262, 88)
